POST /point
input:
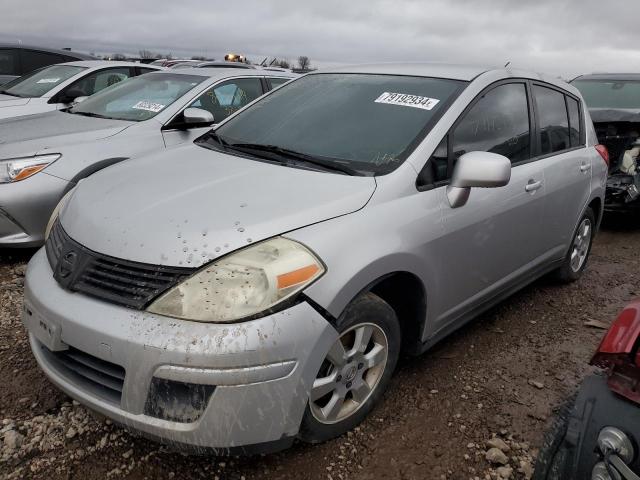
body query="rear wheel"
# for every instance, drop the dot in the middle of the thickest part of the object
(576, 260)
(356, 370)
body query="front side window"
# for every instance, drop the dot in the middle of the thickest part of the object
(226, 98)
(498, 122)
(367, 123)
(610, 93)
(140, 98)
(553, 123)
(96, 81)
(40, 82)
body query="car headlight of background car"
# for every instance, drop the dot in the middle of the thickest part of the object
(56, 212)
(242, 284)
(16, 169)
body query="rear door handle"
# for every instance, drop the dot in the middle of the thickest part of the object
(532, 186)
(585, 167)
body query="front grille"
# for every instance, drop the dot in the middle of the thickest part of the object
(99, 377)
(132, 284)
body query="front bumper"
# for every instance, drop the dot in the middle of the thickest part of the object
(261, 370)
(25, 208)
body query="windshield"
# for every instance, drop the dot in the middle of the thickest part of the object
(38, 83)
(610, 93)
(139, 98)
(367, 123)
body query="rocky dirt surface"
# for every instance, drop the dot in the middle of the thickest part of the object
(474, 407)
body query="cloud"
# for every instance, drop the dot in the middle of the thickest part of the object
(556, 36)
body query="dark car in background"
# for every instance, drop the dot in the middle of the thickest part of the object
(597, 435)
(613, 100)
(17, 60)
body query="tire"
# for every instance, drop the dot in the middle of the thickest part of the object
(346, 379)
(556, 457)
(568, 272)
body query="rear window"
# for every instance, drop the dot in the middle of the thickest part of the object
(367, 122)
(610, 93)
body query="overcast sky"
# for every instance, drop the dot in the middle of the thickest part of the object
(561, 37)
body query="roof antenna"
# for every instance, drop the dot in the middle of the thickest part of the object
(507, 64)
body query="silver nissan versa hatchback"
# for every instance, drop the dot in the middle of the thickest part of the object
(258, 285)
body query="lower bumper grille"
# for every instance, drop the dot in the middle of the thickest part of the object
(101, 378)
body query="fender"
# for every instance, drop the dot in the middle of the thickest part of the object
(91, 169)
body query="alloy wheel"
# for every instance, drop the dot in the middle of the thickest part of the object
(350, 373)
(581, 244)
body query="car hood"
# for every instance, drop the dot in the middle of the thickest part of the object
(602, 115)
(188, 205)
(31, 134)
(10, 101)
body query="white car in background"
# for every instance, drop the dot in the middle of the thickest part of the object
(57, 86)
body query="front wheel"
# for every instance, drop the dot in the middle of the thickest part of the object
(576, 260)
(356, 370)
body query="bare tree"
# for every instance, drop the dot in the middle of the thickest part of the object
(281, 62)
(147, 54)
(118, 56)
(304, 63)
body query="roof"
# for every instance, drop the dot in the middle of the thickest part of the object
(438, 70)
(109, 63)
(227, 72)
(609, 76)
(68, 53)
(205, 64)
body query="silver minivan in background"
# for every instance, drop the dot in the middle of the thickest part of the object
(258, 286)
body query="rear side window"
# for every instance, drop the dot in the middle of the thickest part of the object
(553, 122)
(32, 60)
(146, 70)
(8, 62)
(277, 81)
(574, 122)
(497, 123)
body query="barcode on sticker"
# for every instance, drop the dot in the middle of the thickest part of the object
(149, 106)
(406, 100)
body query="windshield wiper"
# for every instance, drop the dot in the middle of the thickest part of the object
(292, 155)
(214, 136)
(89, 114)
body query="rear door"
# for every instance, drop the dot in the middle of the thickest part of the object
(560, 143)
(494, 241)
(222, 100)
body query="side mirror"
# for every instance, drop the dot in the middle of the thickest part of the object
(477, 169)
(71, 95)
(200, 116)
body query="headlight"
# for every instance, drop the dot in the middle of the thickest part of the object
(56, 212)
(16, 169)
(243, 283)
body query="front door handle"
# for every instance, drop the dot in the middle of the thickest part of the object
(585, 167)
(532, 186)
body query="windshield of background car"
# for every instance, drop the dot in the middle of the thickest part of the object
(139, 98)
(366, 122)
(38, 83)
(610, 93)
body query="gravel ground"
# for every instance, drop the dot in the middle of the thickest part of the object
(476, 406)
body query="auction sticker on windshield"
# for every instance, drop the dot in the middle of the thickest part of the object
(48, 80)
(149, 106)
(406, 100)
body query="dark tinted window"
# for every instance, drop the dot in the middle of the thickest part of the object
(610, 93)
(574, 121)
(552, 120)
(277, 81)
(498, 123)
(8, 62)
(101, 79)
(32, 60)
(228, 97)
(363, 121)
(146, 70)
